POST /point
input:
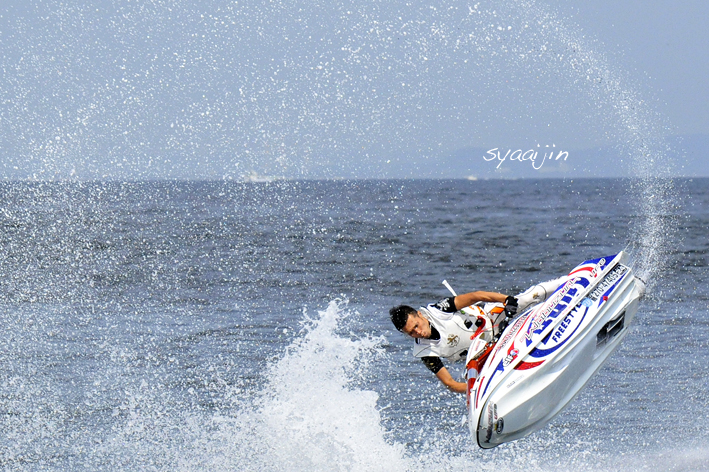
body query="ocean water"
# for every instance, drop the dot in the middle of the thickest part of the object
(244, 326)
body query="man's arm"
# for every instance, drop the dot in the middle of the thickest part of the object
(467, 299)
(445, 377)
(435, 365)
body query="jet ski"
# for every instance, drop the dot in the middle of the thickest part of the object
(544, 357)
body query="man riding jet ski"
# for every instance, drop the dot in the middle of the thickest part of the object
(448, 328)
(549, 353)
(519, 377)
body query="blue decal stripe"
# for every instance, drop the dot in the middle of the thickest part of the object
(536, 352)
(596, 261)
(489, 381)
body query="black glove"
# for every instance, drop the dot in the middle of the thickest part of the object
(510, 306)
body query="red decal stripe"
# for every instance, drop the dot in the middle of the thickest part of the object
(583, 269)
(477, 396)
(528, 365)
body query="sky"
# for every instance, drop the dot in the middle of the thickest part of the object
(352, 89)
(664, 46)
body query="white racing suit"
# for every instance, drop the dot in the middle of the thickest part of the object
(478, 324)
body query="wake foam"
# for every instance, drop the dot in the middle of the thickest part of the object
(312, 419)
(307, 417)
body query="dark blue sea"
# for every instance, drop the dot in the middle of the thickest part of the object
(244, 326)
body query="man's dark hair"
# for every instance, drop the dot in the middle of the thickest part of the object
(400, 315)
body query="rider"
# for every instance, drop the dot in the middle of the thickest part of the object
(442, 330)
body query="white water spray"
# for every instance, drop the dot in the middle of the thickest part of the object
(308, 416)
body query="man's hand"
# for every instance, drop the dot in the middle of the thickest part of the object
(445, 377)
(510, 306)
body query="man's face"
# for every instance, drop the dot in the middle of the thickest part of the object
(417, 326)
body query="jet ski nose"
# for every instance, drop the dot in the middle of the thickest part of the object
(640, 287)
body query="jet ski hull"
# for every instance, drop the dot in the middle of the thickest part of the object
(544, 359)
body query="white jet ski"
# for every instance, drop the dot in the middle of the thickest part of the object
(546, 356)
